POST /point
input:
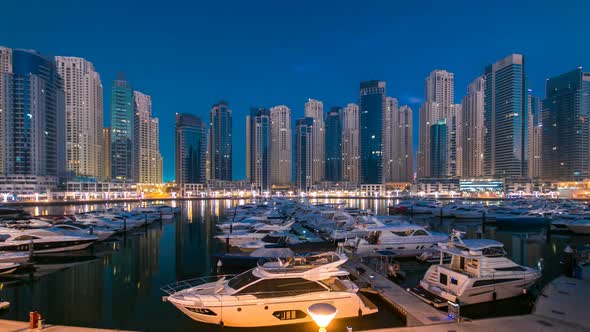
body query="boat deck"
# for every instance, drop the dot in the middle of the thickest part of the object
(416, 312)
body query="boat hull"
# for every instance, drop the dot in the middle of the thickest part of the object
(579, 229)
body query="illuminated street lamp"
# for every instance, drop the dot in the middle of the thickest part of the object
(322, 314)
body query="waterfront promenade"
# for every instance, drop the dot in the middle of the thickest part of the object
(17, 326)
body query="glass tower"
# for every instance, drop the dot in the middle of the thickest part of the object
(438, 149)
(258, 149)
(191, 145)
(220, 140)
(303, 154)
(372, 106)
(334, 144)
(122, 131)
(566, 133)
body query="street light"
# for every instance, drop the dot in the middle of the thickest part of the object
(322, 314)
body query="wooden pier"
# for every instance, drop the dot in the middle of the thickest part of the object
(18, 326)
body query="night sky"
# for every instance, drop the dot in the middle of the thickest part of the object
(188, 56)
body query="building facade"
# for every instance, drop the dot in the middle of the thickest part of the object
(33, 115)
(281, 146)
(372, 109)
(304, 154)
(565, 123)
(220, 142)
(314, 109)
(122, 131)
(438, 149)
(351, 143)
(190, 149)
(535, 136)
(258, 149)
(84, 117)
(389, 143)
(106, 154)
(505, 118)
(473, 127)
(403, 151)
(146, 141)
(334, 123)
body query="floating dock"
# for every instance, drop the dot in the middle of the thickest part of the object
(415, 311)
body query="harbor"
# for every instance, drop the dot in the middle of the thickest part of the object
(116, 283)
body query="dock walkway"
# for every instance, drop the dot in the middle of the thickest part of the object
(18, 326)
(416, 312)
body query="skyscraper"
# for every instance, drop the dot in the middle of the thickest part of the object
(304, 154)
(372, 109)
(439, 105)
(281, 145)
(535, 136)
(33, 114)
(315, 109)
(106, 153)
(220, 142)
(191, 146)
(473, 115)
(146, 141)
(258, 148)
(565, 123)
(350, 143)
(5, 77)
(334, 144)
(122, 127)
(84, 116)
(389, 142)
(403, 146)
(438, 149)
(505, 118)
(455, 144)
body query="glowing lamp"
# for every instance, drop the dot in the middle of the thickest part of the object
(322, 314)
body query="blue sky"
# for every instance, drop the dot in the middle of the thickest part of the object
(190, 54)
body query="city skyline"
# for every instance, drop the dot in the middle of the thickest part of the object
(310, 68)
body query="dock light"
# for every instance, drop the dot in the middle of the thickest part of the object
(322, 314)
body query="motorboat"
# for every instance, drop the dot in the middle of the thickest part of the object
(14, 257)
(581, 226)
(518, 217)
(403, 240)
(276, 292)
(250, 259)
(257, 232)
(74, 229)
(7, 268)
(478, 272)
(42, 240)
(468, 212)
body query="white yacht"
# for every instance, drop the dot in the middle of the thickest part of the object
(403, 240)
(274, 293)
(478, 272)
(75, 229)
(44, 241)
(255, 233)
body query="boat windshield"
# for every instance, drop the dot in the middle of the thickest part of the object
(242, 280)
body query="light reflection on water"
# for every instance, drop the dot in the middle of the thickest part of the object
(116, 284)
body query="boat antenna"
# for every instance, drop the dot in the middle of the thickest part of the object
(456, 234)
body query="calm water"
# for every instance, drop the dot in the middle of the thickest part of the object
(116, 284)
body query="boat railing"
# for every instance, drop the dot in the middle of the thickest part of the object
(189, 283)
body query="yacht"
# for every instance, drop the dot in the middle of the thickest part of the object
(276, 292)
(75, 229)
(255, 233)
(43, 241)
(403, 240)
(478, 272)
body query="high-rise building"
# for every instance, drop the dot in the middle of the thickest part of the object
(438, 149)
(146, 141)
(304, 132)
(473, 116)
(334, 123)
(535, 136)
(389, 143)
(350, 143)
(372, 109)
(122, 127)
(439, 105)
(565, 123)
(505, 118)
(84, 117)
(106, 154)
(258, 148)
(315, 109)
(190, 146)
(33, 114)
(281, 146)
(220, 142)
(403, 151)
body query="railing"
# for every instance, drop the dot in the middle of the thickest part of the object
(185, 284)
